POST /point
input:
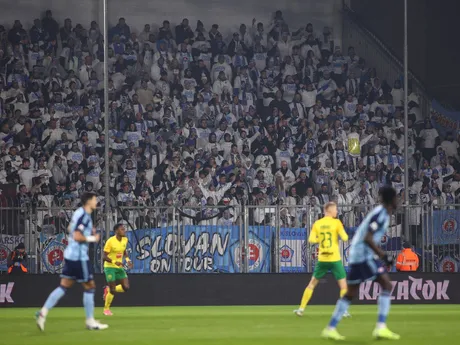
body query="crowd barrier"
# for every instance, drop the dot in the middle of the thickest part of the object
(232, 289)
(249, 239)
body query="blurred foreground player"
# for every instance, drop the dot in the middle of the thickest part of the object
(364, 266)
(115, 274)
(77, 267)
(326, 233)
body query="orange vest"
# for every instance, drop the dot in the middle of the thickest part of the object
(23, 268)
(407, 261)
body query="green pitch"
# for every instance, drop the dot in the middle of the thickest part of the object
(418, 325)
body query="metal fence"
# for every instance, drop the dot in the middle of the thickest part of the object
(226, 239)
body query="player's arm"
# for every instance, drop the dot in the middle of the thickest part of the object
(106, 257)
(342, 233)
(369, 240)
(107, 250)
(313, 238)
(76, 229)
(127, 259)
(79, 237)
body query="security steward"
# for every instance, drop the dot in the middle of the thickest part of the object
(17, 259)
(407, 260)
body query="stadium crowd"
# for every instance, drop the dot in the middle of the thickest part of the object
(269, 116)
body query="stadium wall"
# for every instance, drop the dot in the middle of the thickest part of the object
(228, 14)
(231, 289)
(377, 16)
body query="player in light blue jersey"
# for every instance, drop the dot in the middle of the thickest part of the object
(367, 262)
(77, 266)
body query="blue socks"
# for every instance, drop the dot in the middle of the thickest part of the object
(340, 308)
(88, 303)
(384, 302)
(53, 299)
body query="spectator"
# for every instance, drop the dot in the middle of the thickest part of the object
(183, 32)
(122, 30)
(50, 25)
(266, 117)
(17, 34)
(17, 259)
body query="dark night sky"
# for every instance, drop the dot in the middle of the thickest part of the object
(433, 39)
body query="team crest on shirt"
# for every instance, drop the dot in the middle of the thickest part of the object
(3, 254)
(384, 240)
(53, 257)
(286, 253)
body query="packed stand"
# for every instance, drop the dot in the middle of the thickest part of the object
(202, 124)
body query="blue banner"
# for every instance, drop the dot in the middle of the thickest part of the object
(448, 263)
(52, 252)
(444, 120)
(259, 248)
(209, 248)
(53, 257)
(202, 249)
(446, 227)
(293, 250)
(7, 245)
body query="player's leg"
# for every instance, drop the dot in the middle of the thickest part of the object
(340, 310)
(358, 273)
(89, 286)
(122, 281)
(343, 290)
(118, 283)
(342, 286)
(109, 295)
(340, 275)
(52, 300)
(68, 277)
(321, 268)
(384, 302)
(110, 289)
(124, 284)
(308, 292)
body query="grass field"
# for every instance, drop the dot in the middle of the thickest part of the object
(418, 325)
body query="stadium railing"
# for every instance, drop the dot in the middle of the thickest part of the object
(224, 239)
(442, 240)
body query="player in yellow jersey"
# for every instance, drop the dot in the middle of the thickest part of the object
(326, 232)
(115, 274)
